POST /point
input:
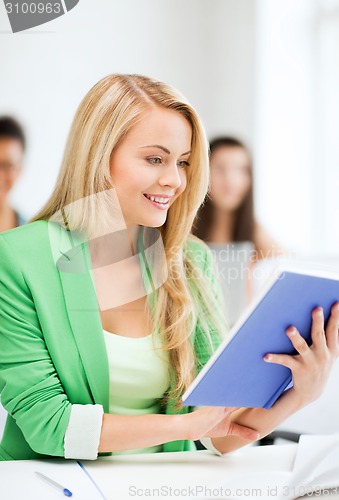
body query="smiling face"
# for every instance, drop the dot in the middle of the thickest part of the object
(148, 167)
(230, 177)
(11, 157)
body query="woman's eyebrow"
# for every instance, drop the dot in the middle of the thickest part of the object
(163, 148)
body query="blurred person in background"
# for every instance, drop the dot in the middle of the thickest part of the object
(12, 148)
(227, 214)
(227, 224)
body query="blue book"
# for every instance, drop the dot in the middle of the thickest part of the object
(236, 374)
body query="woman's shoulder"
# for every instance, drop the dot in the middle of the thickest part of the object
(26, 232)
(27, 242)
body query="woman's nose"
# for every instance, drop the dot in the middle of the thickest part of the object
(170, 176)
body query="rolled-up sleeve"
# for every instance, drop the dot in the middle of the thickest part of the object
(207, 442)
(82, 435)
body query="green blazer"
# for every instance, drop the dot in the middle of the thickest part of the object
(52, 350)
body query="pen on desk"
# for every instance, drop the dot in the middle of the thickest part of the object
(50, 481)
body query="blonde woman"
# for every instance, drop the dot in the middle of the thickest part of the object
(109, 307)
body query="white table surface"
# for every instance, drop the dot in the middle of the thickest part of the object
(130, 476)
(184, 475)
(180, 474)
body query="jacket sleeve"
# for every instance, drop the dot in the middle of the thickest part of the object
(30, 388)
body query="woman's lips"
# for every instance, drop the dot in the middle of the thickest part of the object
(160, 206)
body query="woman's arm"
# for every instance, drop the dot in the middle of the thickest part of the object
(120, 433)
(264, 421)
(310, 370)
(30, 389)
(125, 433)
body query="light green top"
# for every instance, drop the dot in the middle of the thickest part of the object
(138, 377)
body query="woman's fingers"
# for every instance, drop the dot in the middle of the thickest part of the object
(318, 329)
(300, 345)
(243, 432)
(230, 409)
(320, 340)
(298, 342)
(332, 330)
(281, 359)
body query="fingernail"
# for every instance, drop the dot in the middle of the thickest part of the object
(320, 311)
(255, 436)
(268, 357)
(292, 332)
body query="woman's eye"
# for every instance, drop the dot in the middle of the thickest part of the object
(154, 160)
(183, 163)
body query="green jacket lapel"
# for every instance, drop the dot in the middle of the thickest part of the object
(72, 258)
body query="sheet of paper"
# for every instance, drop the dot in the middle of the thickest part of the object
(18, 480)
(317, 460)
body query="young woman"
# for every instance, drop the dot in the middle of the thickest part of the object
(12, 147)
(98, 339)
(228, 213)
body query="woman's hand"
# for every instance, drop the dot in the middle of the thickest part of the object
(214, 421)
(312, 365)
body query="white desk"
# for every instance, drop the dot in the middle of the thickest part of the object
(126, 477)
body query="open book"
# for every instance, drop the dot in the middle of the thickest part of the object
(315, 474)
(236, 374)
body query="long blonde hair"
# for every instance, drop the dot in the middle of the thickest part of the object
(104, 117)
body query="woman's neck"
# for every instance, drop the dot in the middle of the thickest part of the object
(102, 249)
(222, 228)
(133, 232)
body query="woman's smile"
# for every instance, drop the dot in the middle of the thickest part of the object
(162, 202)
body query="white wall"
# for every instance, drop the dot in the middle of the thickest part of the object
(284, 119)
(296, 122)
(203, 48)
(325, 174)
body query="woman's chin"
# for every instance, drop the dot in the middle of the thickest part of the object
(155, 221)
